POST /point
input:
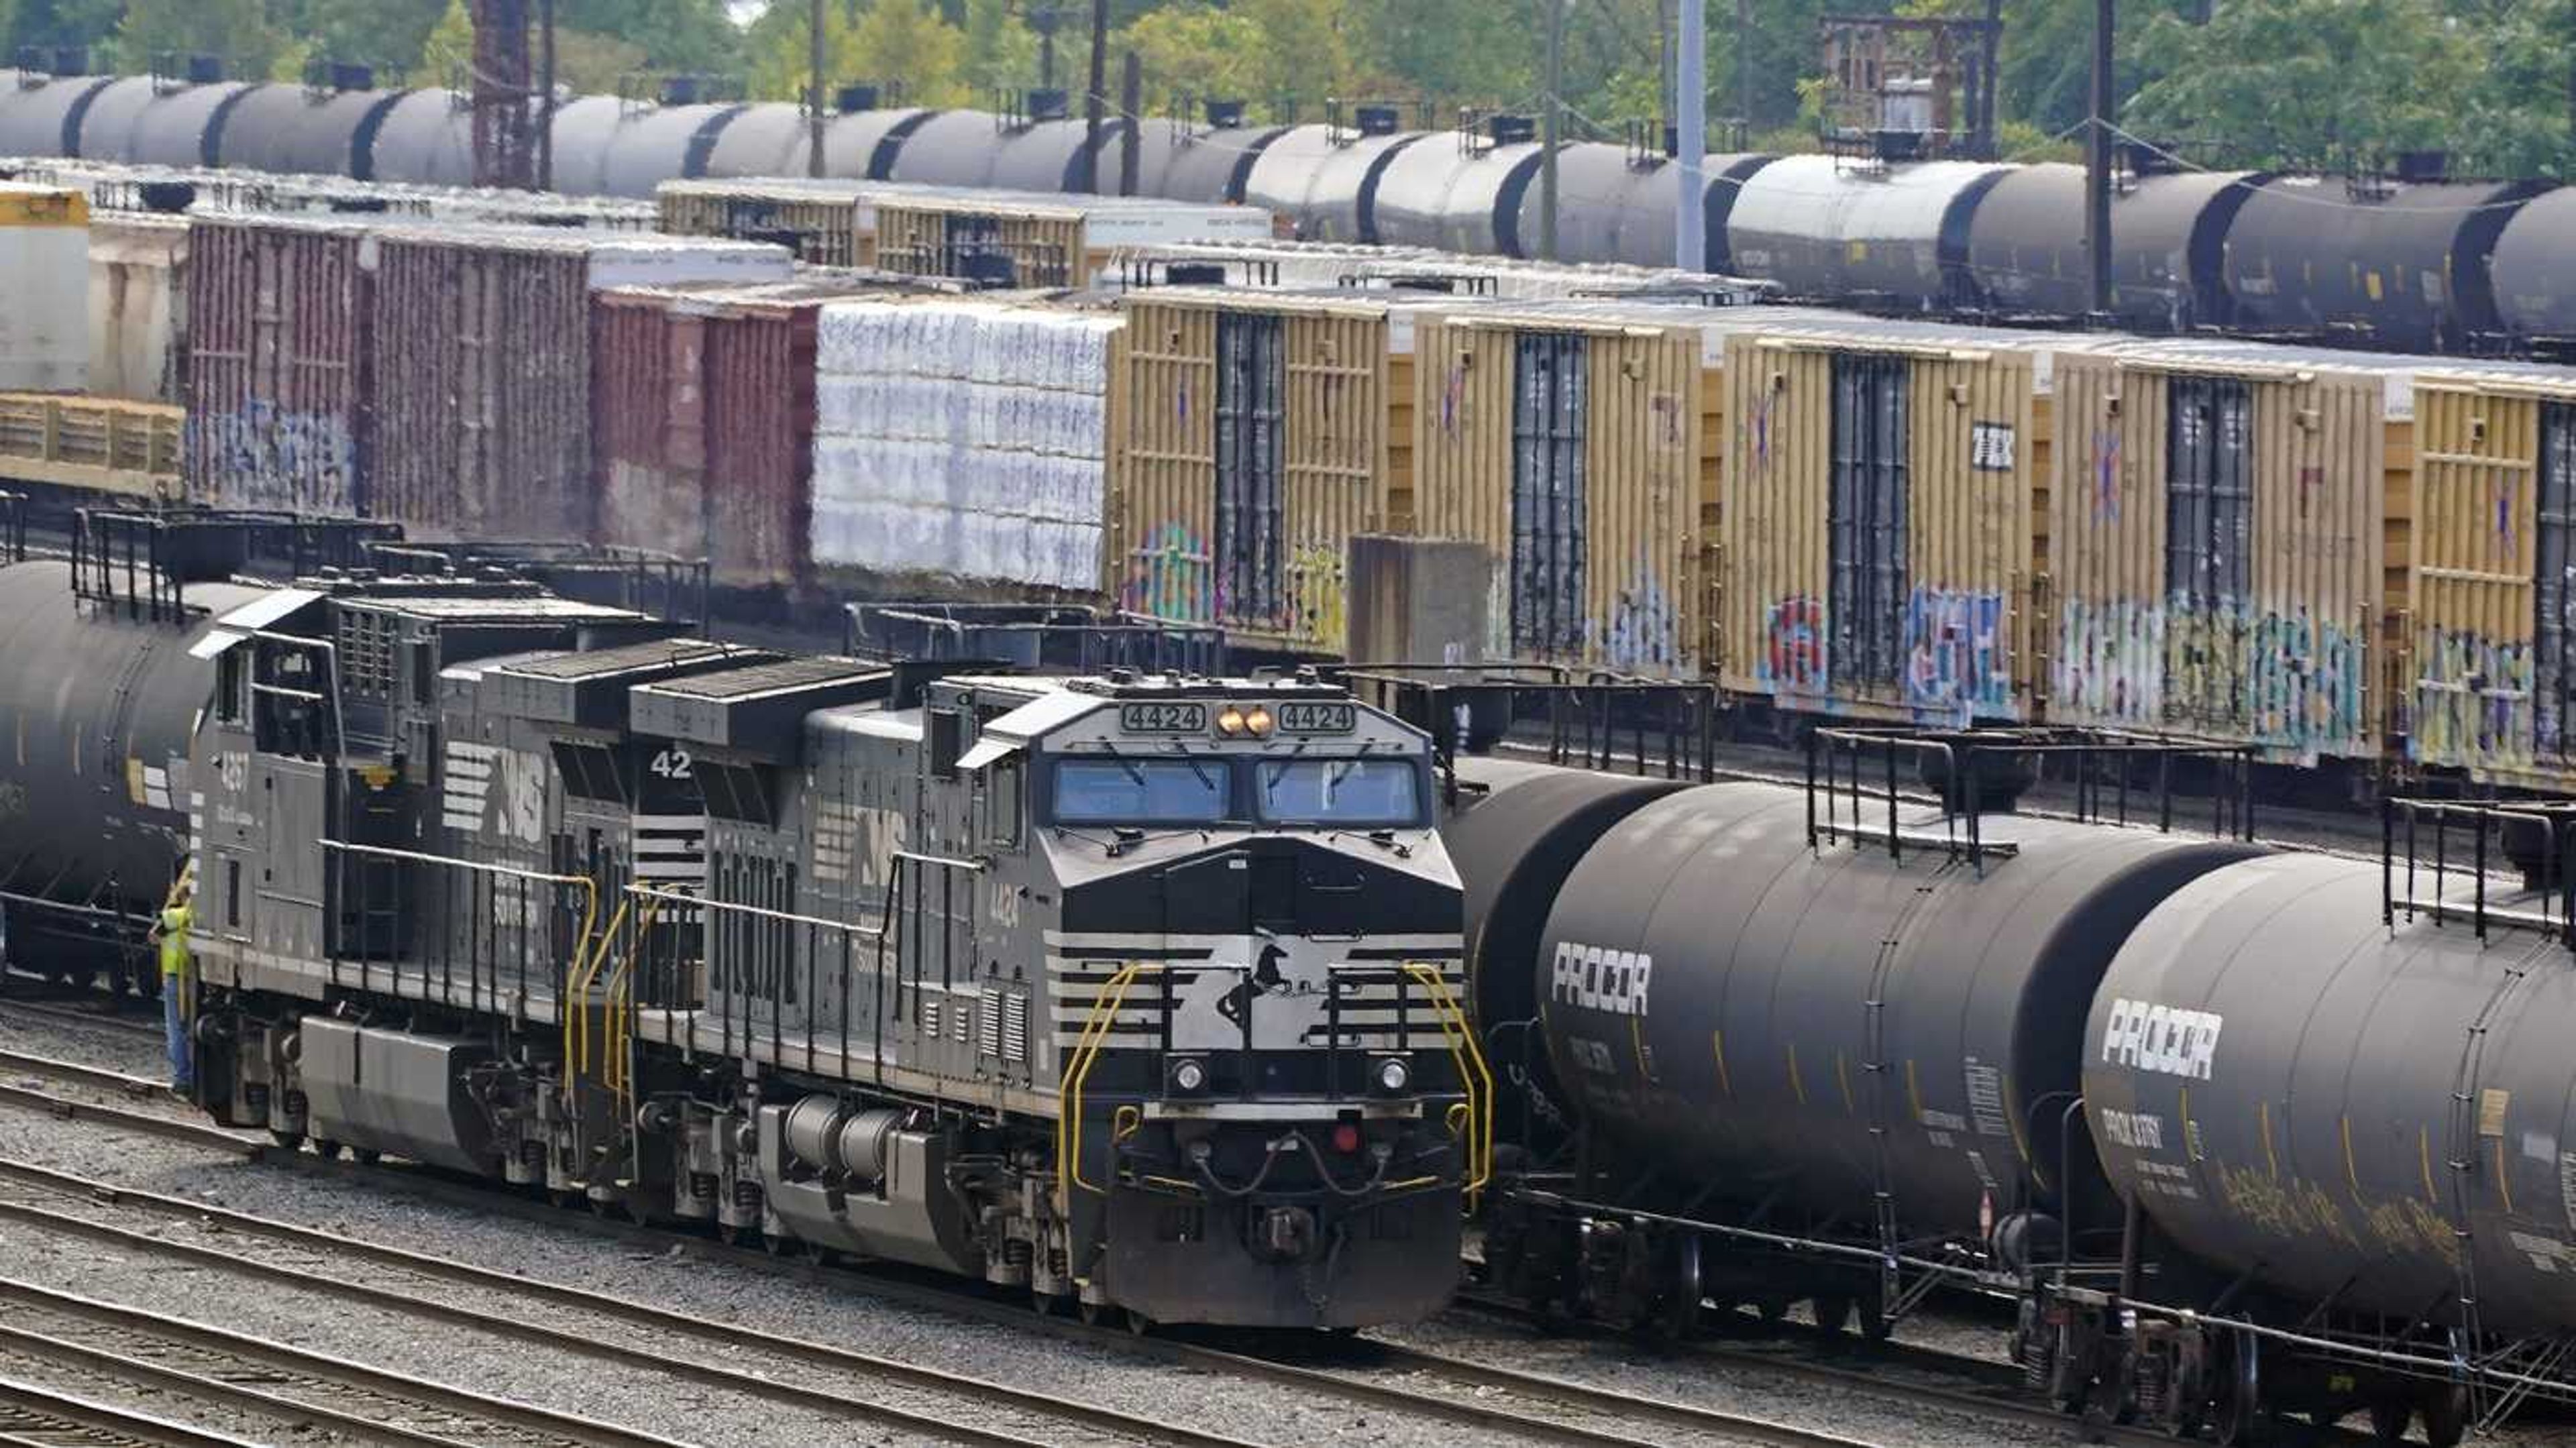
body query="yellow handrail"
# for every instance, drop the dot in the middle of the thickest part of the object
(575, 1006)
(1473, 1073)
(1086, 1052)
(619, 1015)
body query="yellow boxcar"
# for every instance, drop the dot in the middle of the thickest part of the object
(1881, 520)
(2490, 600)
(2214, 548)
(1262, 431)
(1578, 444)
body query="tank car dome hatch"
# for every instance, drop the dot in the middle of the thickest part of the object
(427, 139)
(2533, 270)
(2282, 1081)
(1454, 198)
(950, 148)
(2398, 265)
(1754, 948)
(1323, 180)
(43, 118)
(771, 138)
(2168, 245)
(663, 144)
(290, 129)
(1208, 166)
(179, 127)
(1824, 227)
(585, 127)
(107, 125)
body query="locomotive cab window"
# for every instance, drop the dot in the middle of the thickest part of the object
(1365, 793)
(1003, 786)
(232, 687)
(1124, 791)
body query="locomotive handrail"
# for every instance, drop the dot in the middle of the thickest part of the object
(589, 888)
(619, 1012)
(576, 1002)
(1467, 1052)
(1086, 1052)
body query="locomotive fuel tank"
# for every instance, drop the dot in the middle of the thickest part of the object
(2288, 1087)
(95, 716)
(1757, 1011)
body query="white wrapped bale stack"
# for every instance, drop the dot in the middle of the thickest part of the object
(44, 260)
(964, 440)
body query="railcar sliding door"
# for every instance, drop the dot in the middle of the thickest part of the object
(1250, 472)
(2209, 509)
(2554, 602)
(1551, 401)
(1865, 520)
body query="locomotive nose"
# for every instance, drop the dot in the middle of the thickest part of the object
(1285, 1234)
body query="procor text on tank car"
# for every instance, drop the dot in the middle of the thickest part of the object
(1142, 993)
(2246, 1134)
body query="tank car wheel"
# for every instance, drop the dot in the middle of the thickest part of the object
(2239, 1419)
(1874, 1324)
(1772, 1310)
(2389, 1415)
(2446, 1416)
(1833, 1314)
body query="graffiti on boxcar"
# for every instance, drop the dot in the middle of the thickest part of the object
(1793, 650)
(2285, 681)
(1958, 663)
(2472, 701)
(1317, 592)
(1644, 632)
(1170, 577)
(261, 457)
(2110, 661)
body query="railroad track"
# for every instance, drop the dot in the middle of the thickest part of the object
(33, 1416)
(1479, 1396)
(97, 1009)
(198, 1362)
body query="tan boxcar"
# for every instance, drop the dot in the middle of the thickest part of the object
(1579, 445)
(1261, 432)
(2214, 548)
(818, 220)
(2490, 611)
(1880, 527)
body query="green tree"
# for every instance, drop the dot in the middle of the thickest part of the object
(238, 30)
(1001, 54)
(388, 34)
(2303, 83)
(1198, 49)
(889, 40)
(447, 55)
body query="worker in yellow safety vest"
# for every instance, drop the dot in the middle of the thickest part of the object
(171, 933)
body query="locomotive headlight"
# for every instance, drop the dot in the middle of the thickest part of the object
(1259, 722)
(1186, 1076)
(1231, 721)
(1390, 1075)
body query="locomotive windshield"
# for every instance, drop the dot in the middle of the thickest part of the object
(1362, 793)
(1119, 791)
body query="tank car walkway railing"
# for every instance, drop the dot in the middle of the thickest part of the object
(2437, 860)
(507, 927)
(1930, 789)
(104, 445)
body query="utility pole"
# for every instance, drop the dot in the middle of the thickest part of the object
(1045, 21)
(546, 79)
(1131, 106)
(1690, 116)
(814, 89)
(1989, 62)
(1554, 134)
(2097, 161)
(1744, 63)
(1096, 97)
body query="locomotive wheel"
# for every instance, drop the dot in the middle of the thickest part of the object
(1042, 1303)
(1091, 1312)
(326, 1148)
(365, 1155)
(288, 1140)
(2446, 1416)
(774, 1244)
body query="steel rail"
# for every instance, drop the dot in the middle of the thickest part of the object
(42, 1417)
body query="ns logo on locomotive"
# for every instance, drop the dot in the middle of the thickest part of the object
(1142, 993)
